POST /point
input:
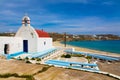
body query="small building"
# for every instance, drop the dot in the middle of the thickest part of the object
(27, 39)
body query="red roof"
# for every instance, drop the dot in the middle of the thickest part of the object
(42, 33)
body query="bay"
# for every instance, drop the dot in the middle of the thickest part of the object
(112, 46)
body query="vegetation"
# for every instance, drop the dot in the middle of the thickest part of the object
(28, 77)
(72, 55)
(19, 58)
(77, 55)
(7, 34)
(26, 58)
(8, 75)
(38, 59)
(43, 70)
(88, 58)
(66, 56)
(28, 61)
(32, 58)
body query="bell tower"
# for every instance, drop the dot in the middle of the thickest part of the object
(26, 21)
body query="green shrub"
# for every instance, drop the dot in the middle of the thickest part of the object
(77, 55)
(26, 58)
(63, 55)
(88, 57)
(38, 63)
(66, 56)
(38, 59)
(28, 77)
(8, 75)
(32, 58)
(19, 58)
(28, 61)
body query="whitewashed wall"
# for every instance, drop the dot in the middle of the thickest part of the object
(32, 45)
(44, 44)
(28, 33)
(15, 44)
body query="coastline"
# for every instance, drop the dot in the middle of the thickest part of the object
(58, 44)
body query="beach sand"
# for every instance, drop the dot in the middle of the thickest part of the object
(58, 44)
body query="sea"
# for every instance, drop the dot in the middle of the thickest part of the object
(112, 46)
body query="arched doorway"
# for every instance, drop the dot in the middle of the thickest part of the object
(25, 45)
(6, 48)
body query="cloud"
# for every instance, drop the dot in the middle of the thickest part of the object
(68, 1)
(87, 26)
(13, 3)
(7, 12)
(78, 19)
(108, 3)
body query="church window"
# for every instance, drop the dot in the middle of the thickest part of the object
(44, 42)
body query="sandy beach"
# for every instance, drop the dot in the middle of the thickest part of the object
(58, 44)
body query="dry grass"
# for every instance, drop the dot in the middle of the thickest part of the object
(13, 78)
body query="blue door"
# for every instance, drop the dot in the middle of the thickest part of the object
(25, 45)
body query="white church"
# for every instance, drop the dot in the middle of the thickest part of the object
(27, 39)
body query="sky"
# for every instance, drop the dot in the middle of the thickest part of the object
(71, 16)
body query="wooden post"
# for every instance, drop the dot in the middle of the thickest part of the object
(65, 39)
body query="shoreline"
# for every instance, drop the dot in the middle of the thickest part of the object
(58, 44)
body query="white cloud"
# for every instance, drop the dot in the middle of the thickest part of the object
(69, 1)
(108, 3)
(7, 12)
(87, 25)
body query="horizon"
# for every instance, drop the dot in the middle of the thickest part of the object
(73, 17)
(67, 34)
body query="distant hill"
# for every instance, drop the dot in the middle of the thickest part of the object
(71, 37)
(7, 34)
